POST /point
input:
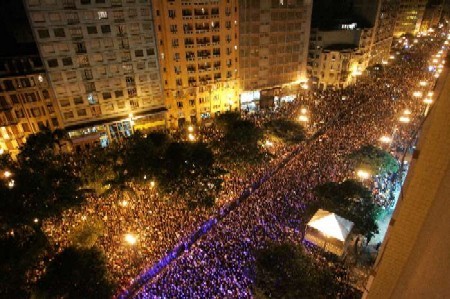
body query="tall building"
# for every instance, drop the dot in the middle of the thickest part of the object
(414, 260)
(273, 43)
(101, 59)
(409, 17)
(198, 53)
(382, 15)
(432, 15)
(337, 57)
(26, 101)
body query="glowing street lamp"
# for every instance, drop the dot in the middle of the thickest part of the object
(11, 184)
(428, 101)
(190, 129)
(303, 118)
(2, 151)
(152, 184)
(7, 174)
(268, 143)
(417, 94)
(404, 119)
(423, 83)
(191, 137)
(35, 220)
(130, 239)
(430, 93)
(385, 139)
(123, 203)
(407, 112)
(362, 174)
(303, 111)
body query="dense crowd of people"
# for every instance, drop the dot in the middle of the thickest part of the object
(220, 264)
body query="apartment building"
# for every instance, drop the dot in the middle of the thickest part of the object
(409, 17)
(26, 101)
(432, 15)
(337, 57)
(198, 53)
(274, 37)
(101, 59)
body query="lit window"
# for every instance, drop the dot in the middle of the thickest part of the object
(102, 15)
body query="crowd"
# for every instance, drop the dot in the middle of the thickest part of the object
(219, 265)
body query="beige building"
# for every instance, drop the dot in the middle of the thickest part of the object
(337, 57)
(414, 260)
(26, 101)
(274, 38)
(101, 59)
(198, 53)
(409, 17)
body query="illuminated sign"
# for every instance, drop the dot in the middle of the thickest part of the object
(349, 26)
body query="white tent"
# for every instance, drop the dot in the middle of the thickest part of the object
(329, 231)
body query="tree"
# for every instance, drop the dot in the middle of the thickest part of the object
(374, 160)
(45, 182)
(351, 200)
(287, 130)
(86, 234)
(240, 140)
(286, 271)
(77, 273)
(20, 249)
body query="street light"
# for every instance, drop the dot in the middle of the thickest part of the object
(130, 239)
(2, 151)
(362, 174)
(404, 119)
(190, 129)
(417, 94)
(428, 101)
(407, 112)
(191, 137)
(303, 118)
(152, 184)
(423, 83)
(11, 184)
(269, 143)
(385, 139)
(7, 174)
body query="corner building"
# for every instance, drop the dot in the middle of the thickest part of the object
(26, 101)
(101, 59)
(198, 53)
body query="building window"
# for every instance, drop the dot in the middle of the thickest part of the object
(91, 99)
(92, 29)
(78, 100)
(118, 93)
(132, 92)
(106, 95)
(67, 61)
(68, 115)
(81, 112)
(139, 53)
(43, 33)
(106, 29)
(85, 1)
(52, 62)
(102, 15)
(173, 28)
(172, 14)
(59, 32)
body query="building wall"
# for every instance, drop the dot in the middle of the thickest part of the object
(383, 33)
(409, 17)
(198, 52)
(337, 57)
(274, 38)
(431, 17)
(100, 56)
(26, 101)
(414, 260)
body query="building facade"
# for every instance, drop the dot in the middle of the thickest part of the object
(432, 15)
(27, 103)
(337, 57)
(198, 52)
(409, 18)
(274, 37)
(101, 59)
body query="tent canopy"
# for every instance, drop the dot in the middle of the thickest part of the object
(331, 225)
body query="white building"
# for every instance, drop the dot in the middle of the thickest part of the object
(101, 59)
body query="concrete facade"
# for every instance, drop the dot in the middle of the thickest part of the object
(409, 17)
(198, 52)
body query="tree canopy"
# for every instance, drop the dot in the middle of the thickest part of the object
(287, 130)
(77, 273)
(287, 271)
(374, 160)
(351, 200)
(240, 139)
